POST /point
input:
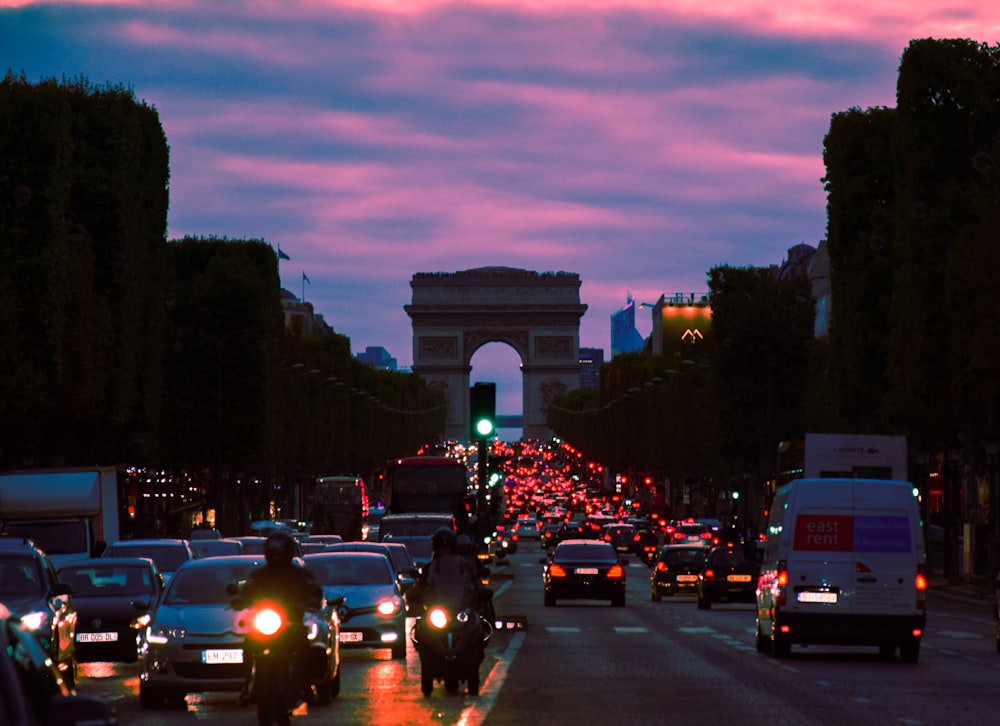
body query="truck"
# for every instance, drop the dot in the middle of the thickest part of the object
(430, 485)
(338, 505)
(855, 455)
(70, 513)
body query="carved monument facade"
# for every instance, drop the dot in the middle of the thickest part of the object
(537, 314)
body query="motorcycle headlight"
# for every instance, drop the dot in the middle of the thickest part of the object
(438, 618)
(267, 621)
(160, 634)
(35, 620)
(389, 607)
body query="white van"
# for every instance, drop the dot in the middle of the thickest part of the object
(843, 565)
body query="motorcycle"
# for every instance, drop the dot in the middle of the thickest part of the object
(278, 650)
(450, 641)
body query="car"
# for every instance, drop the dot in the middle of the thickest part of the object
(729, 574)
(690, 533)
(583, 569)
(404, 568)
(203, 533)
(32, 693)
(218, 547)
(550, 534)
(505, 540)
(526, 528)
(323, 539)
(114, 598)
(623, 537)
(194, 642)
(31, 589)
(414, 531)
(675, 570)
(168, 554)
(374, 601)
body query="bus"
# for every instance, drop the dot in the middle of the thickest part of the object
(429, 484)
(338, 505)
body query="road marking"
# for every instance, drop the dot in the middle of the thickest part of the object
(560, 629)
(625, 630)
(476, 713)
(959, 634)
(696, 630)
(824, 684)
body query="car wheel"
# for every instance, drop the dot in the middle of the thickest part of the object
(618, 601)
(909, 650)
(549, 600)
(781, 647)
(657, 597)
(399, 650)
(886, 650)
(473, 681)
(426, 680)
(149, 699)
(335, 685)
(760, 641)
(704, 604)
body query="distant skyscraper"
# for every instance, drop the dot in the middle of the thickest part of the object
(625, 338)
(377, 357)
(591, 360)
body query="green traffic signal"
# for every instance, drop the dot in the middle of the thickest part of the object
(482, 410)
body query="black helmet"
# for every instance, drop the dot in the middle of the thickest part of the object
(463, 544)
(279, 548)
(444, 537)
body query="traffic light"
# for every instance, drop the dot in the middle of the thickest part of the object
(483, 410)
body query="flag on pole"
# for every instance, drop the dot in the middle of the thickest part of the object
(305, 279)
(282, 255)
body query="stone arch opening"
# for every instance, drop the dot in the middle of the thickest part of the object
(537, 314)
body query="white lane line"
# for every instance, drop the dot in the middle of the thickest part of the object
(959, 634)
(476, 713)
(626, 630)
(560, 629)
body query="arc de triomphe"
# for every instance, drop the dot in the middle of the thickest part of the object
(537, 314)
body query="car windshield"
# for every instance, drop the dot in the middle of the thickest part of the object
(167, 557)
(91, 581)
(348, 570)
(587, 552)
(19, 578)
(729, 558)
(204, 585)
(216, 548)
(53, 538)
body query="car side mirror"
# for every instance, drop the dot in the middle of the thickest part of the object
(143, 604)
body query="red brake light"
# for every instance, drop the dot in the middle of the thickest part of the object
(709, 574)
(616, 572)
(706, 535)
(661, 567)
(635, 538)
(921, 583)
(556, 570)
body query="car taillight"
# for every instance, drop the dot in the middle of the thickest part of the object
(782, 581)
(556, 570)
(708, 574)
(635, 538)
(616, 572)
(661, 567)
(921, 583)
(706, 535)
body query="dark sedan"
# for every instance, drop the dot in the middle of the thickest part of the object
(113, 597)
(729, 575)
(676, 571)
(584, 569)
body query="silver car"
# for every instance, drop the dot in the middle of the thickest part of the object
(374, 611)
(195, 641)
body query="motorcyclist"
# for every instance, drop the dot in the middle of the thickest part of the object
(465, 547)
(288, 584)
(449, 576)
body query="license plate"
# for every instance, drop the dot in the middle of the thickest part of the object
(355, 636)
(830, 597)
(739, 578)
(687, 578)
(221, 656)
(586, 570)
(96, 637)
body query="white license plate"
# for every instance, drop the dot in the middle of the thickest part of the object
(830, 597)
(739, 578)
(687, 578)
(221, 656)
(351, 636)
(96, 637)
(586, 570)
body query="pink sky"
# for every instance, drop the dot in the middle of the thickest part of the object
(637, 144)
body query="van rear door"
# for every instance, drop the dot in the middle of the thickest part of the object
(821, 563)
(887, 548)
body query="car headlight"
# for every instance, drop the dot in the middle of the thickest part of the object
(160, 634)
(35, 620)
(389, 607)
